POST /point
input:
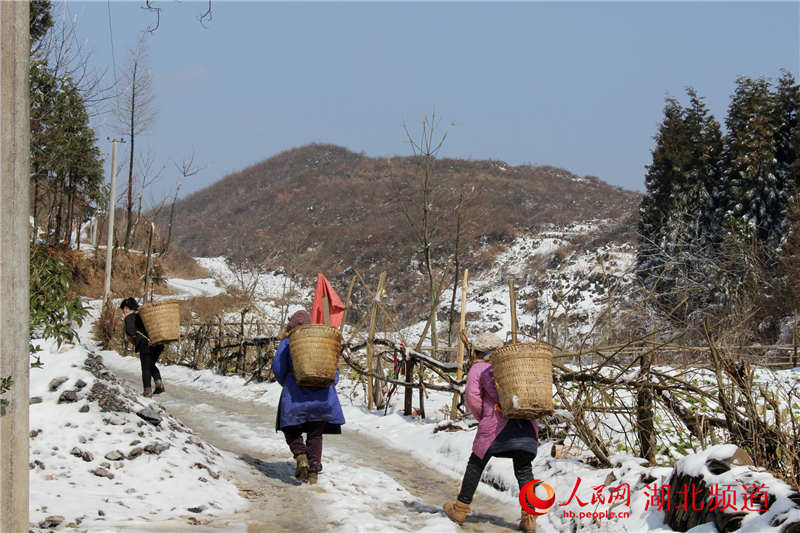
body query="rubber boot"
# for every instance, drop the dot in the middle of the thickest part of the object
(312, 478)
(528, 523)
(301, 472)
(159, 387)
(148, 392)
(457, 512)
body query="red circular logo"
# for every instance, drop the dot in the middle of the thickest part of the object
(531, 503)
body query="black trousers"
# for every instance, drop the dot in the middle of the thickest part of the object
(523, 470)
(149, 369)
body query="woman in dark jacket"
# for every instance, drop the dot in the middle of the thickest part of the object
(148, 354)
(309, 410)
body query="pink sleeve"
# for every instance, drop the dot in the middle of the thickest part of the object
(472, 392)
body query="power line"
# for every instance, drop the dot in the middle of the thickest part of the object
(111, 38)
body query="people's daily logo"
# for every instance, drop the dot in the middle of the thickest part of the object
(531, 503)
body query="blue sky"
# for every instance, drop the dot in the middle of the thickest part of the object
(574, 85)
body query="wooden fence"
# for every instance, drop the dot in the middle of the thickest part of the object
(243, 347)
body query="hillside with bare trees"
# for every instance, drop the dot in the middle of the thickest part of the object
(325, 208)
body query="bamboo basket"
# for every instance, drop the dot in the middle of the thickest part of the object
(315, 354)
(523, 375)
(162, 321)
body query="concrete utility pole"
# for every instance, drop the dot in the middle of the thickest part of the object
(111, 198)
(14, 263)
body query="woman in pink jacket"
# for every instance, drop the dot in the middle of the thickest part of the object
(497, 436)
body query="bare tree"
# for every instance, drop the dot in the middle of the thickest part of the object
(423, 222)
(246, 269)
(135, 111)
(187, 168)
(148, 172)
(68, 57)
(459, 213)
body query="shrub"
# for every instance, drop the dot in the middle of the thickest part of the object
(55, 311)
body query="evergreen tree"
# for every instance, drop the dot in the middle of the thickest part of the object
(661, 181)
(754, 206)
(694, 234)
(787, 108)
(760, 180)
(716, 212)
(41, 20)
(676, 230)
(66, 165)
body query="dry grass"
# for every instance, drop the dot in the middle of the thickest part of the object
(127, 269)
(179, 264)
(207, 308)
(109, 328)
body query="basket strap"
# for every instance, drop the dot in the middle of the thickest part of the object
(494, 404)
(142, 334)
(145, 336)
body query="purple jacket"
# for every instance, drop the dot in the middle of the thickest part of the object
(303, 404)
(480, 380)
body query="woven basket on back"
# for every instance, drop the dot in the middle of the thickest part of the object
(523, 374)
(315, 354)
(162, 321)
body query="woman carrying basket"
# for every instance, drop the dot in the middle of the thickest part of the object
(497, 436)
(309, 410)
(148, 354)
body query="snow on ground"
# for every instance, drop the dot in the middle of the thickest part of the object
(443, 450)
(273, 291)
(576, 287)
(673, 442)
(575, 284)
(99, 465)
(190, 288)
(446, 451)
(270, 285)
(449, 451)
(341, 482)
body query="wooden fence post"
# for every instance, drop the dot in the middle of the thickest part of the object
(148, 295)
(439, 287)
(422, 390)
(645, 428)
(512, 295)
(462, 330)
(347, 302)
(370, 348)
(409, 391)
(795, 361)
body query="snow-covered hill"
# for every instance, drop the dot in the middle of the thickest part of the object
(560, 283)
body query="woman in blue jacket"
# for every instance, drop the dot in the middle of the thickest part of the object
(309, 410)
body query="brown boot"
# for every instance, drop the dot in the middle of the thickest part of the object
(528, 523)
(159, 387)
(457, 512)
(312, 478)
(301, 472)
(148, 392)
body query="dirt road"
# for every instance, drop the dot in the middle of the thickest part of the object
(365, 486)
